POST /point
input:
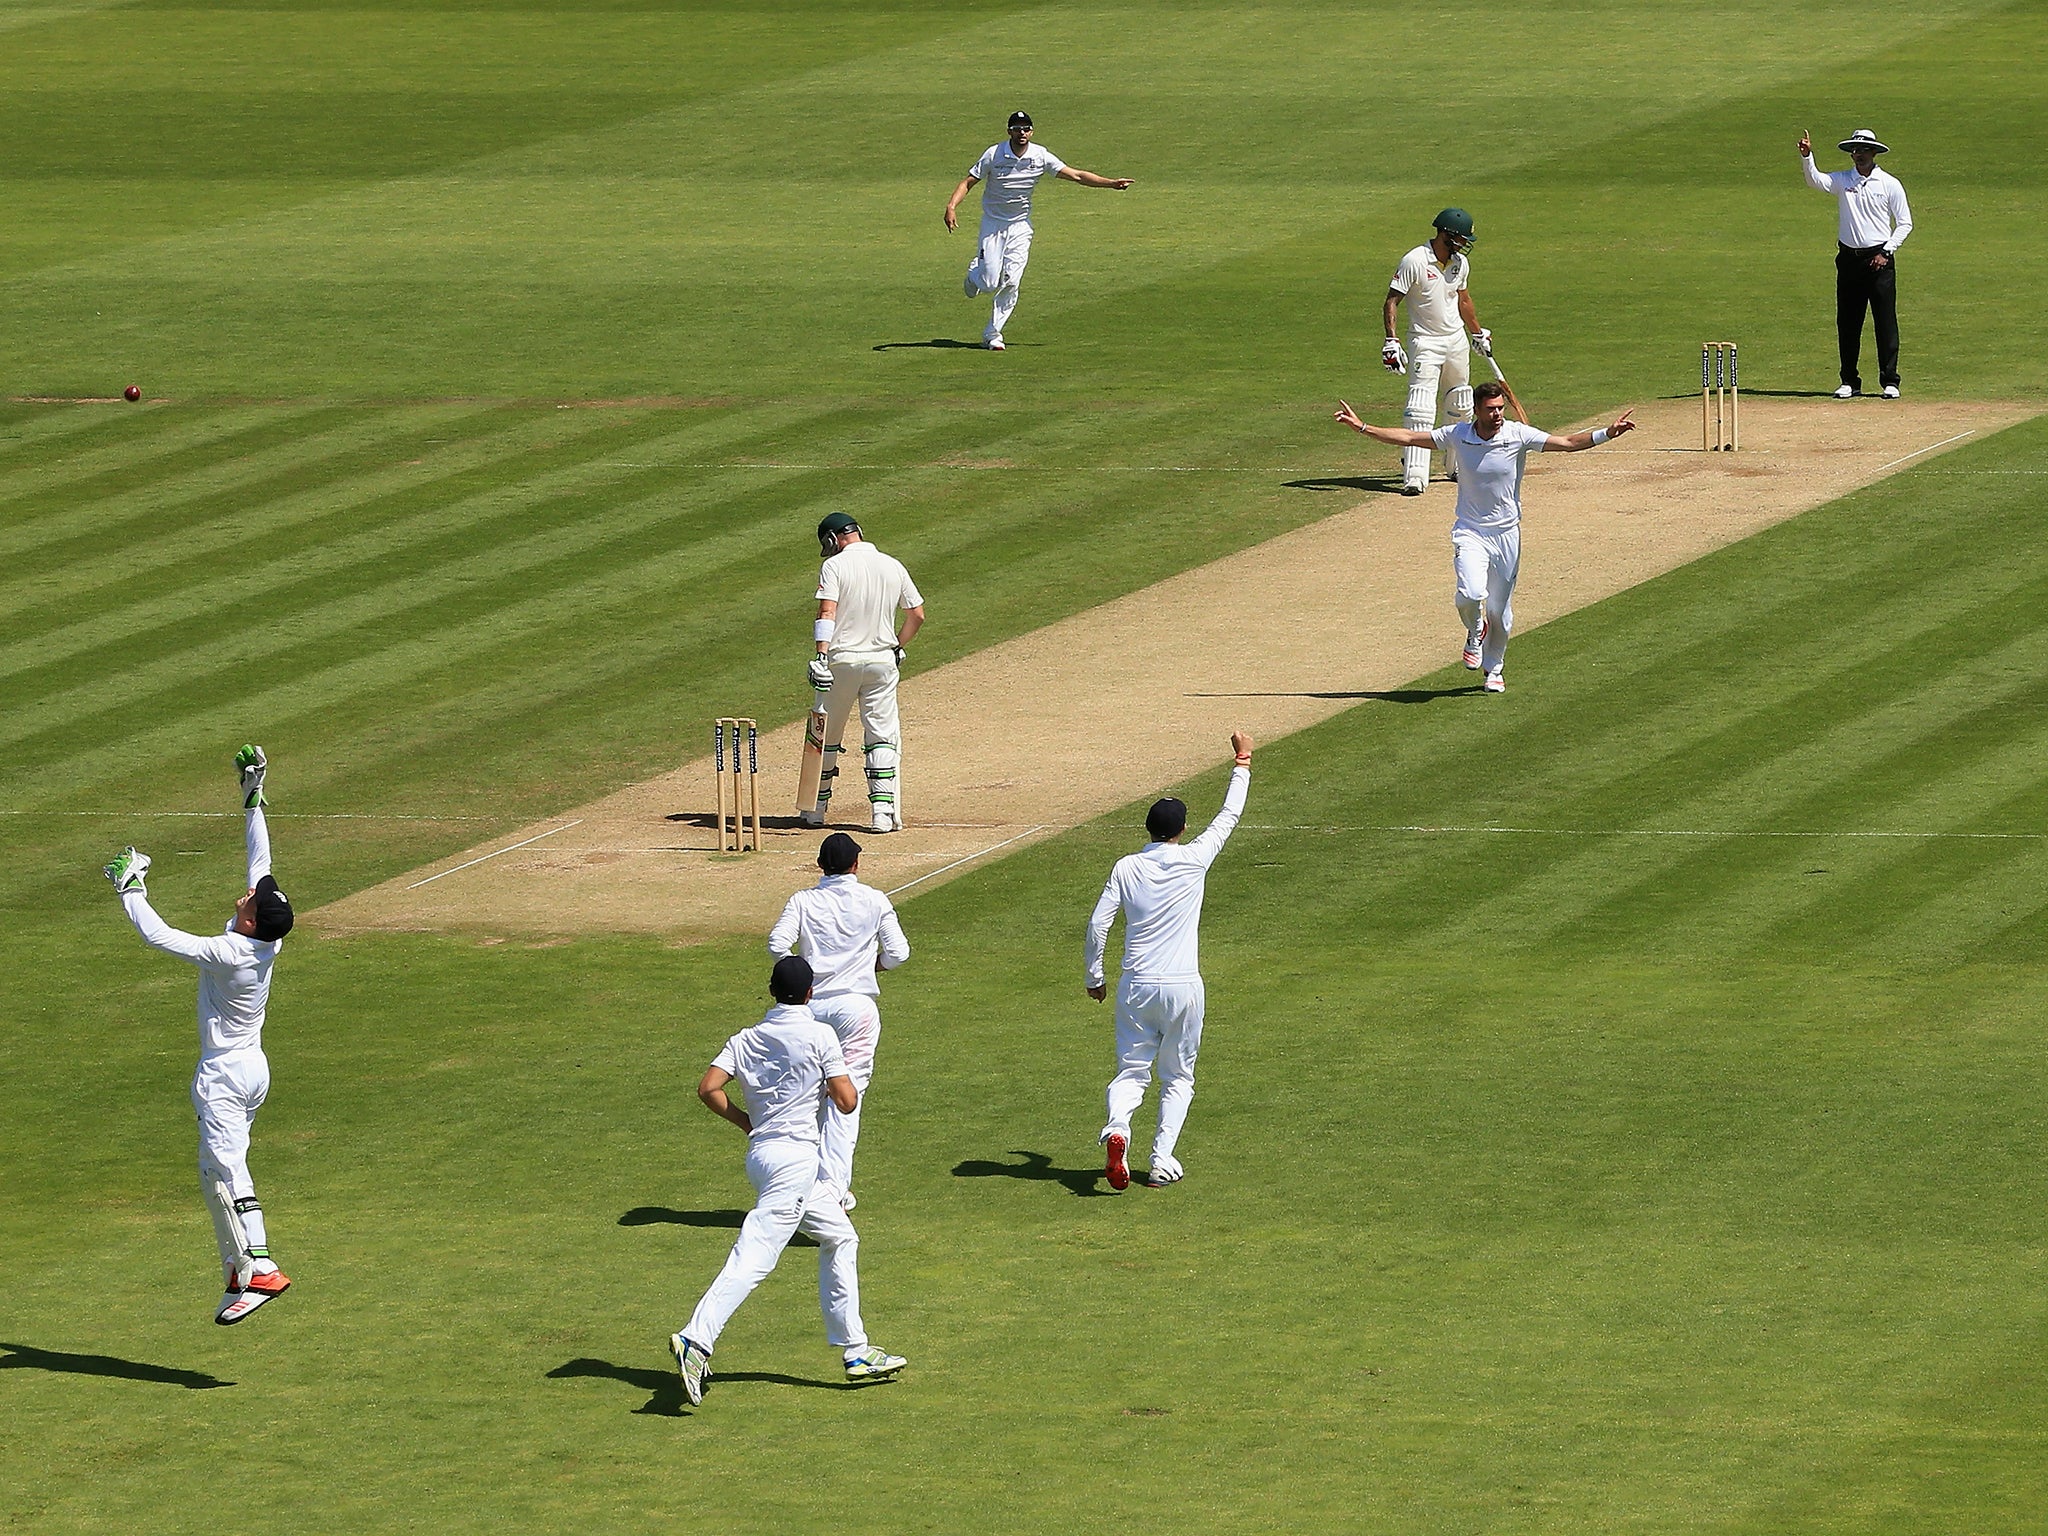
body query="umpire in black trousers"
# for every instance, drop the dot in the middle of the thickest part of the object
(1874, 223)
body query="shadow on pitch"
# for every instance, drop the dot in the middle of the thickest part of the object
(1383, 696)
(943, 343)
(26, 1357)
(708, 820)
(1085, 1182)
(664, 1388)
(662, 1216)
(1388, 485)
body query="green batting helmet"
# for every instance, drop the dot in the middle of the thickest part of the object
(1457, 223)
(835, 524)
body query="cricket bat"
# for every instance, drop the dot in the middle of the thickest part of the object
(811, 771)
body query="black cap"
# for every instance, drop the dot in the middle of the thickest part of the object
(273, 911)
(1020, 119)
(790, 981)
(837, 854)
(1167, 818)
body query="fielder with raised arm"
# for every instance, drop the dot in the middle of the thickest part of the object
(1011, 170)
(234, 1074)
(1486, 535)
(1159, 998)
(1434, 281)
(859, 654)
(789, 1066)
(844, 930)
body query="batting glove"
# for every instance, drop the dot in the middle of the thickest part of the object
(251, 764)
(1483, 340)
(1392, 355)
(127, 870)
(820, 673)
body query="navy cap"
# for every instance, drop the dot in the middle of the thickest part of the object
(273, 911)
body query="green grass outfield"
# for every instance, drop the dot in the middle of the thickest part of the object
(1593, 1176)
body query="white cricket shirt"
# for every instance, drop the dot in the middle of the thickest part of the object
(842, 927)
(1159, 889)
(1007, 179)
(234, 976)
(1489, 472)
(869, 588)
(782, 1063)
(1872, 208)
(1431, 290)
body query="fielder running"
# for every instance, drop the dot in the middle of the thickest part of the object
(790, 1066)
(1486, 535)
(859, 653)
(234, 1074)
(1433, 279)
(1159, 998)
(843, 929)
(1011, 171)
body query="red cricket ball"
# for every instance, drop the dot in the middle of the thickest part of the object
(133, 391)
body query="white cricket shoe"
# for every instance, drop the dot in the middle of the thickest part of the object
(1846, 392)
(1473, 642)
(810, 818)
(1412, 487)
(1165, 1170)
(994, 344)
(872, 1364)
(847, 1202)
(1890, 392)
(881, 820)
(1496, 682)
(254, 1292)
(693, 1361)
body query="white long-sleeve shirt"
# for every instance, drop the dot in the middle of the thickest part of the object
(1159, 890)
(842, 927)
(1873, 208)
(234, 969)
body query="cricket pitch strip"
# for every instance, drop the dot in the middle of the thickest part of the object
(1056, 727)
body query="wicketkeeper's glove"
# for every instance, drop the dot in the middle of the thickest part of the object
(820, 673)
(1483, 340)
(251, 763)
(1392, 355)
(128, 869)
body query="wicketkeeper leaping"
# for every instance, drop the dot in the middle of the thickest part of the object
(1433, 279)
(859, 650)
(234, 1074)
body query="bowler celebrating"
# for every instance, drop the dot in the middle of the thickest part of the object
(234, 1074)
(1011, 170)
(790, 1066)
(1159, 1000)
(1486, 536)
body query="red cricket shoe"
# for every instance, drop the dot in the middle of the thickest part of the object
(1114, 1168)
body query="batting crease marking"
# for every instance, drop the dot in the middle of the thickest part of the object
(920, 880)
(1928, 449)
(460, 867)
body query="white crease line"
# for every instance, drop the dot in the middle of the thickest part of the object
(1928, 449)
(460, 867)
(227, 815)
(1645, 832)
(920, 880)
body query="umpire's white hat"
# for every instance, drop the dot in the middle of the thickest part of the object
(1864, 138)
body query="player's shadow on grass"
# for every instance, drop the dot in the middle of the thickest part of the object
(944, 343)
(1382, 695)
(662, 1216)
(1389, 485)
(26, 1357)
(664, 1388)
(1085, 1182)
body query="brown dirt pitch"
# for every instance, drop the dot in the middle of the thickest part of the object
(1058, 726)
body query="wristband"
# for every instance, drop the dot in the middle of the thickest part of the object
(1600, 435)
(1245, 761)
(822, 630)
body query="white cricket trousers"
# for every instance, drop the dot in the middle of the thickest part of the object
(1438, 367)
(998, 268)
(857, 1020)
(1155, 1022)
(227, 1090)
(870, 682)
(790, 1198)
(1485, 566)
